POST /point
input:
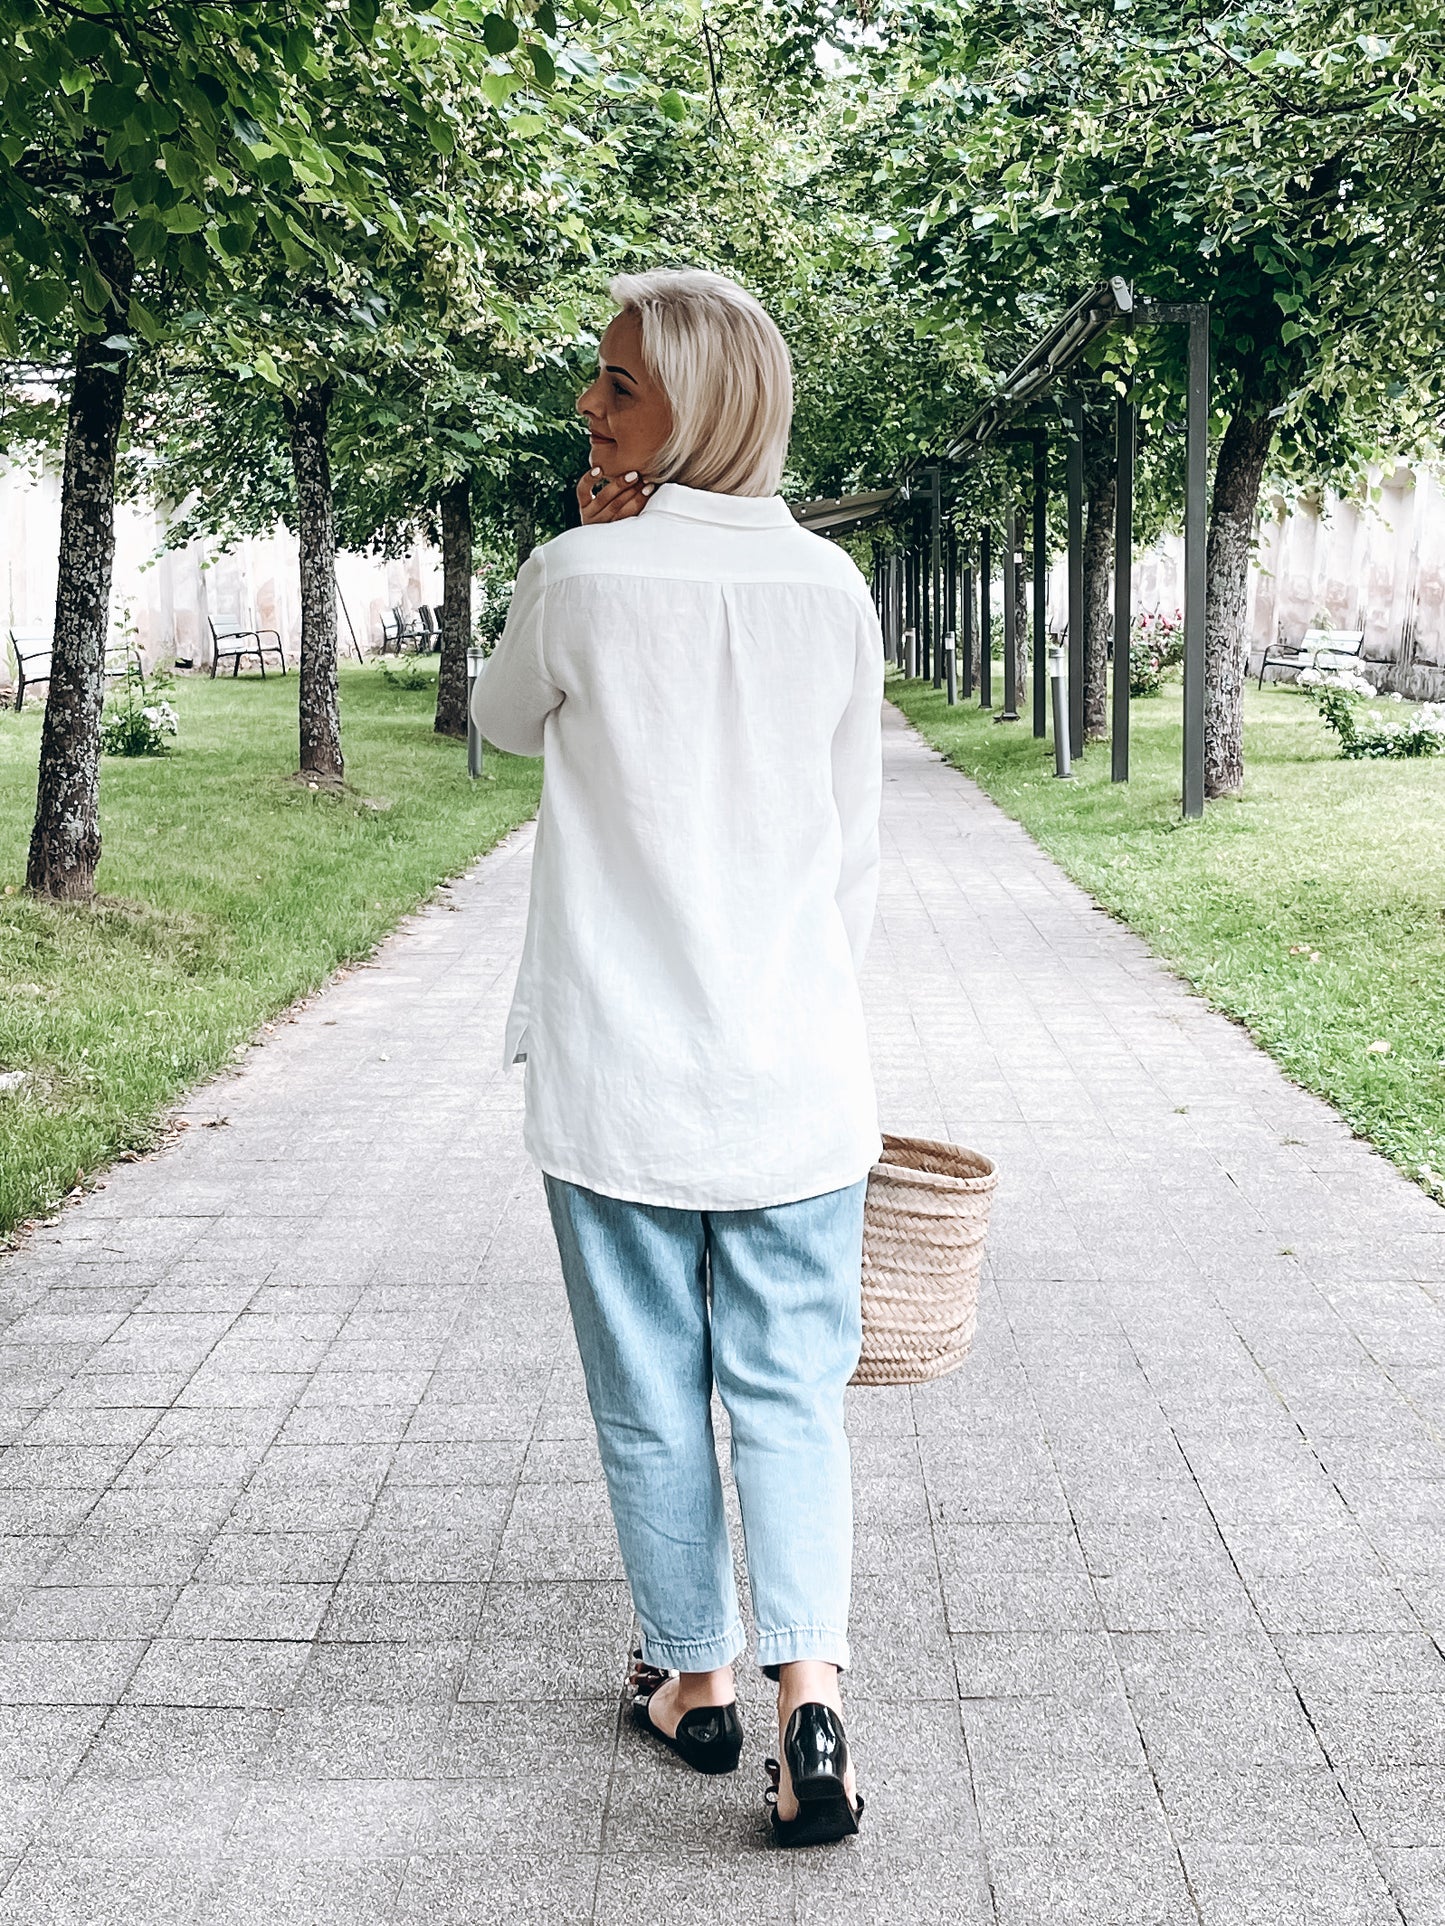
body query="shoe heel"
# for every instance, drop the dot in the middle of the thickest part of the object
(816, 1747)
(819, 1789)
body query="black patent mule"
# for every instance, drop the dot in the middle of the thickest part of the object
(816, 1749)
(709, 1738)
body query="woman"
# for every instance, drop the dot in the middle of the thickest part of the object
(705, 680)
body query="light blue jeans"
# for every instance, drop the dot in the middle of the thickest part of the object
(764, 1304)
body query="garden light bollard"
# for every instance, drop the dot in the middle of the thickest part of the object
(950, 662)
(1062, 765)
(910, 653)
(475, 659)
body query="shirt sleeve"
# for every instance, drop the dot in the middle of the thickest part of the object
(858, 787)
(514, 695)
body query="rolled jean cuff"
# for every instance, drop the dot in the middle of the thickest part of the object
(820, 1642)
(695, 1654)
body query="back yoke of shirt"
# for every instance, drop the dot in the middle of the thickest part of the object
(705, 681)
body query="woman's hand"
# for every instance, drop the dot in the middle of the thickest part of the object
(612, 501)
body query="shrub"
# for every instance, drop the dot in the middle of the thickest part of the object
(403, 672)
(1156, 646)
(1165, 635)
(1146, 671)
(137, 721)
(1337, 695)
(494, 599)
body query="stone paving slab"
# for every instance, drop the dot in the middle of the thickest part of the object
(310, 1609)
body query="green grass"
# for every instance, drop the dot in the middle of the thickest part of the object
(1313, 909)
(227, 891)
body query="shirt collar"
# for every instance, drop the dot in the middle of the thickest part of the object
(728, 511)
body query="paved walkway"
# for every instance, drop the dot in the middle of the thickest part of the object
(311, 1606)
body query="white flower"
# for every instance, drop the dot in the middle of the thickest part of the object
(1335, 679)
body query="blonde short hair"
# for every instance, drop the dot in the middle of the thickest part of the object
(726, 373)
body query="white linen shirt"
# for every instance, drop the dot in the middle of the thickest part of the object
(705, 680)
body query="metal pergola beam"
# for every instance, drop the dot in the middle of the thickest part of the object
(843, 514)
(1092, 315)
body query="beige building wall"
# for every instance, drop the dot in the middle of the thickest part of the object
(1321, 561)
(168, 597)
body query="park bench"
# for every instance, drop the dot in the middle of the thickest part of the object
(30, 651)
(1346, 644)
(399, 628)
(230, 645)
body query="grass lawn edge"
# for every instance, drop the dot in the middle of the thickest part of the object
(1010, 770)
(230, 897)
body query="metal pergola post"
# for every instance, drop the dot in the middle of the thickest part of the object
(1074, 464)
(935, 550)
(910, 608)
(1010, 710)
(1041, 583)
(950, 580)
(925, 624)
(1123, 585)
(920, 563)
(919, 611)
(968, 668)
(1195, 316)
(925, 606)
(985, 618)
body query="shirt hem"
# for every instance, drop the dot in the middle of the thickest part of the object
(668, 1198)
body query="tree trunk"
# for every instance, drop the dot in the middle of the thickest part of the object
(456, 507)
(65, 842)
(316, 535)
(1098, 610)
(1023, 635)
(1237, 477)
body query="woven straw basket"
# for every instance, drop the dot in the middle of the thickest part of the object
(923, 1234)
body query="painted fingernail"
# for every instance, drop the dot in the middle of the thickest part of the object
(647, 488)
(631, 475)
(594, 471)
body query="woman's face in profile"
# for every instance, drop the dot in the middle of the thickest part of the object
(628, 418)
